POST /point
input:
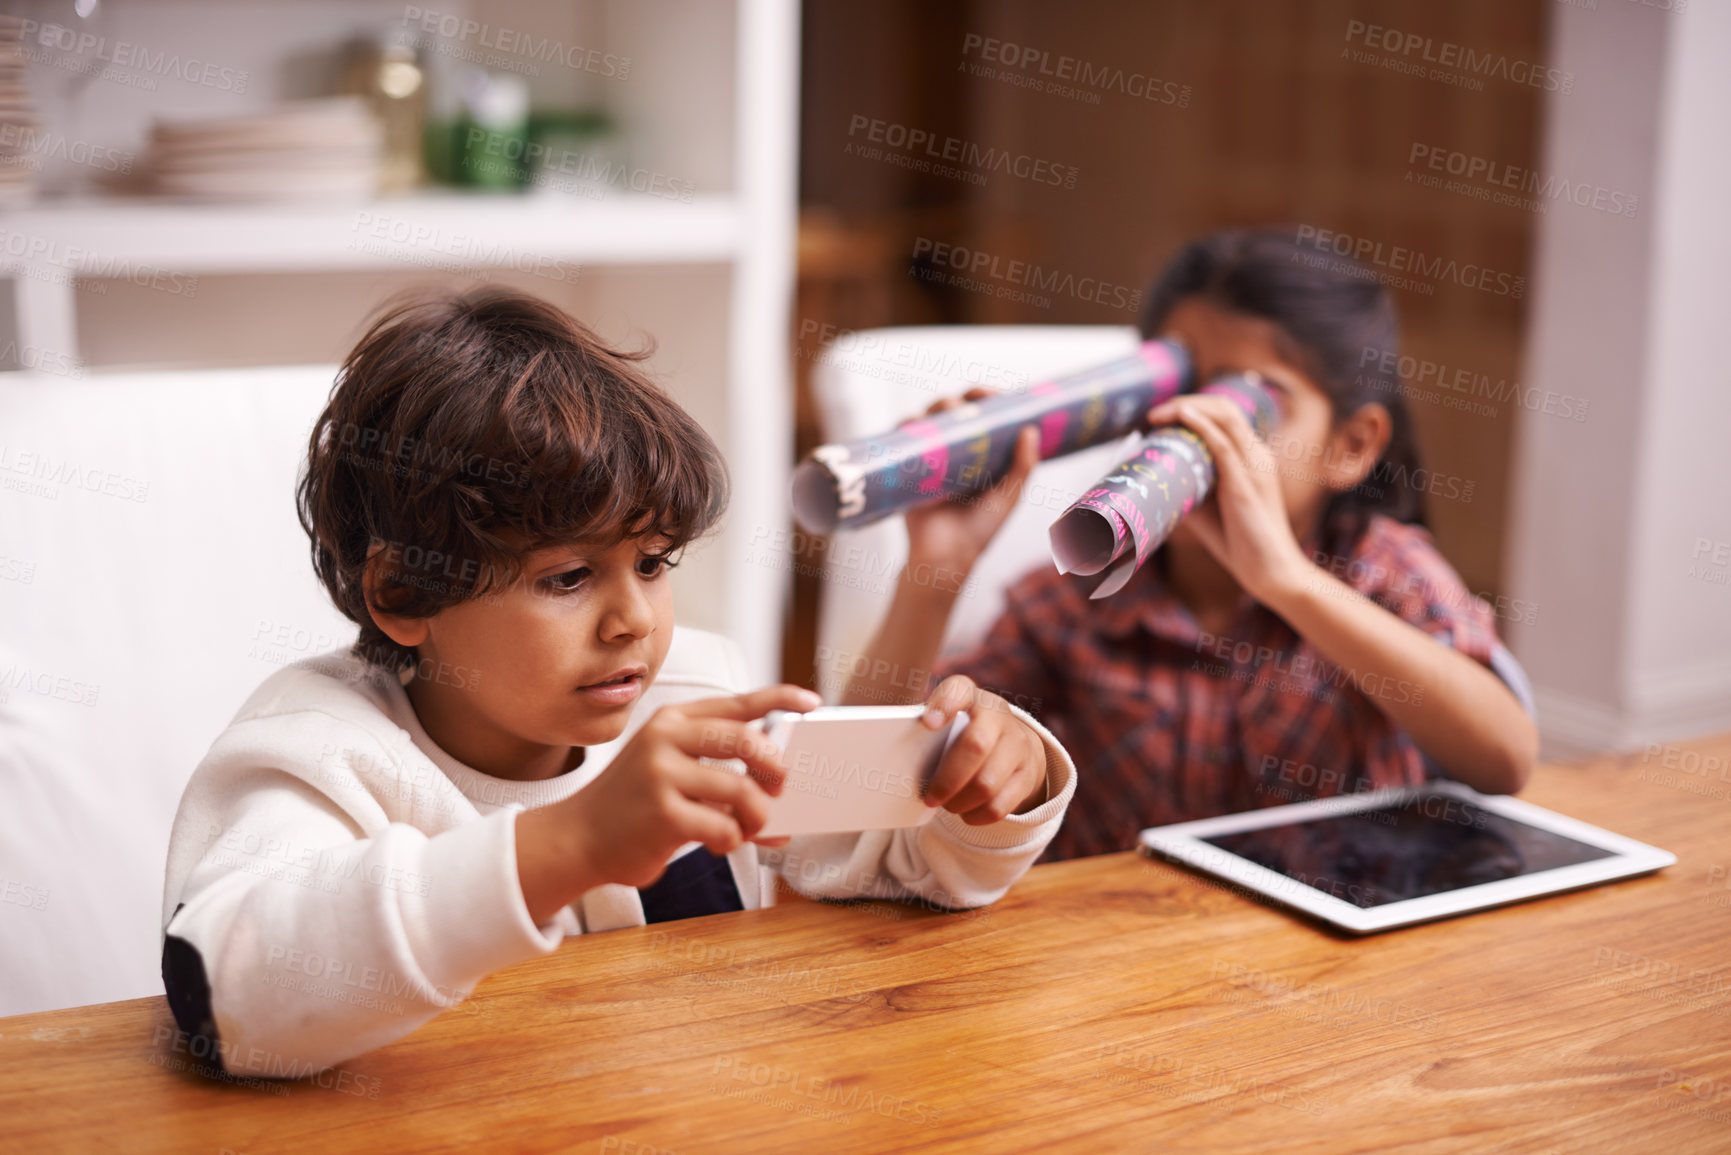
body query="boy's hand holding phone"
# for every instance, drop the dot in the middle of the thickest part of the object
(997, 764)
(654, 797)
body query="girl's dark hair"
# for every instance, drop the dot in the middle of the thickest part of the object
(465, 431)
(1338, 320)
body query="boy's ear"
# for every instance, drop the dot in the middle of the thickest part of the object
(1355, 446)
(405, 631)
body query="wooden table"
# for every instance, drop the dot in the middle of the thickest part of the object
(1106, 1004)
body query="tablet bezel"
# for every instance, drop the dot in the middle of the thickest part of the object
(1182, 843)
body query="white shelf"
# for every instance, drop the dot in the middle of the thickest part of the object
(712, 101)
(90, 236)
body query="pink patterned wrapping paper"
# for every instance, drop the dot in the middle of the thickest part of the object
(964, 450)
(1115, 527)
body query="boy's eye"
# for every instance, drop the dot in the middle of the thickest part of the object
(655, 565)
(569, 580)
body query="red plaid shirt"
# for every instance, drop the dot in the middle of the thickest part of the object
(1167, 723)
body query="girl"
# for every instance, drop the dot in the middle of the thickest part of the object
(1284, 642)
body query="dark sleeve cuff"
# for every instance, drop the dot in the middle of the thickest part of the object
(188, 990)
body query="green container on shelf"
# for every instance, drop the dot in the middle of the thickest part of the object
(465, 154)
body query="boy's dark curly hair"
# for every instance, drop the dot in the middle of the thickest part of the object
(465, 431)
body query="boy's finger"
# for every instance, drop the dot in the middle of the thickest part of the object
(988, 781)
(703, 737)
(954, 693)
(1022, 784)
(716, 787)
(726, 738)
(962, 761)
(719, 833)
(755, 704)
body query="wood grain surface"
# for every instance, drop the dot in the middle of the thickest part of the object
(1106, 1004)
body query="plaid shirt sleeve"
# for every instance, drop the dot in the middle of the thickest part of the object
(1398, 566)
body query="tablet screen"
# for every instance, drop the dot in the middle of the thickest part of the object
(1430, 844)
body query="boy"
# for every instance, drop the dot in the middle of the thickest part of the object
(494, 497)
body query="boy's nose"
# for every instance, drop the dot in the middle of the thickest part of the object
(629, 613)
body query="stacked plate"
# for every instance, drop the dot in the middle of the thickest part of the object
(308, 150)
(17, 118)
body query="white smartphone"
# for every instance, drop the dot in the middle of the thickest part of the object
(854, 768)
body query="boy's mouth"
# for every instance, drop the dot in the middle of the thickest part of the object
(618, 688)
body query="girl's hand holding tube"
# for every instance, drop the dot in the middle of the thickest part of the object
(949, 536)
(1244, 524)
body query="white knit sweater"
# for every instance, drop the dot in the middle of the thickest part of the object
(339, 879)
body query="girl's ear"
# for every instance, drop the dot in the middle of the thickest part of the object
(405, 631)
(1356, 446)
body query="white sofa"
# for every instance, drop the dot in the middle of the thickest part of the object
(152, 573)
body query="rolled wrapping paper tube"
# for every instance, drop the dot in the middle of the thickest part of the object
(965, 449)
(1117, 525)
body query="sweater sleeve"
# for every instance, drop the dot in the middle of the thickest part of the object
(297, 941)
(944, 863)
